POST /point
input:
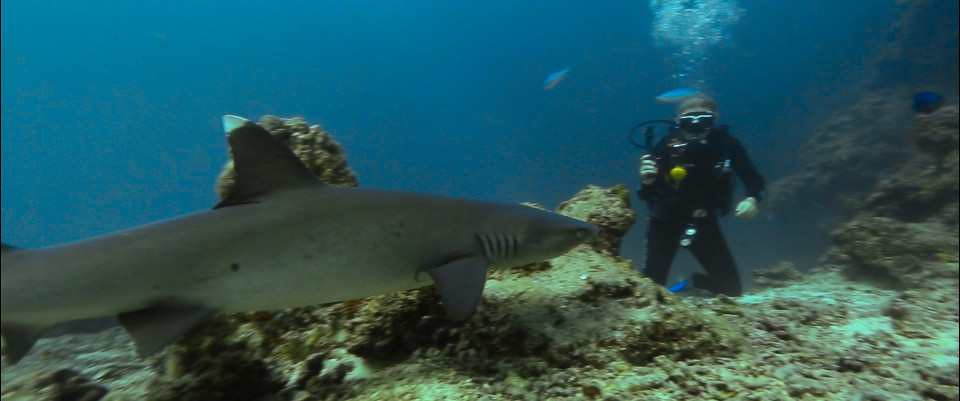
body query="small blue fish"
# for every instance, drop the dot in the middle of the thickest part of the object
(677, 95)
(926, 102)
(555, 78)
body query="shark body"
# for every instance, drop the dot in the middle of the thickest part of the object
(281, 239)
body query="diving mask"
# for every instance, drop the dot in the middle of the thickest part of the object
(696, 123)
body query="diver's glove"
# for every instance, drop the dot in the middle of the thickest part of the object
(648, 170)
(747, 208)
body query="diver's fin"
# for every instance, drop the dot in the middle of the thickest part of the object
(682, 285)
(460, 285)
(19, 340)
(156, 327)
(262, 163)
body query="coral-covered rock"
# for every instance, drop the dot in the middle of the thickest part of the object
(778, 275)
(312, 144)
(585, 312)
(213, 364)
(609, 209)
(927, 185)
(56, 385)
(937, 132)
(892, 253)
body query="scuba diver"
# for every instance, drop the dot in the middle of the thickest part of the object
(687, 184)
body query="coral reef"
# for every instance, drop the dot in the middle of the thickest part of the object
(926, 184)
(59, 385)
(210, 365)
(779, 275)
(904, 234)
(615, 338)
(78, 363)
(892, 253)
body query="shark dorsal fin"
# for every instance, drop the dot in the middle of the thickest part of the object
(262, 163)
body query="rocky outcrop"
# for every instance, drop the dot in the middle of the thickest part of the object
(905, 231)
(926, 185)
(56, 385)
(848, 154)
(893, 254)
(609, 209)
(779, 275)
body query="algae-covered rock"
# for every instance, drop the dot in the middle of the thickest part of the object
(78, 364)
(312, 144)
(608, 208)
(937, 132)
(925, 186)
(587, 311)
(55, 385)
(893, 254)
(213, 364)
(779, 275)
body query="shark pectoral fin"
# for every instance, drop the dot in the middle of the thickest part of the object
(460, 285)
(19, 339)
(156, 327)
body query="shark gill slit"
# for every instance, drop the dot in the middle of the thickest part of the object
(486, 246)
(501, 247)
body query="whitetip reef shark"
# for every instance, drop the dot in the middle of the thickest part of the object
(281, 239)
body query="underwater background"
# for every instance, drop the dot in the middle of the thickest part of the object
(111, 118)
(111, 109)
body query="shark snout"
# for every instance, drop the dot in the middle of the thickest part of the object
(587, 232)
(555, 235)
(581, 232)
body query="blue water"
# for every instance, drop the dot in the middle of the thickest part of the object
(111, 110)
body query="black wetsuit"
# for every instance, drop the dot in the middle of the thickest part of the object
(707, 187)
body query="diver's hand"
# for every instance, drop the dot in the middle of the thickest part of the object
(747, 208)
(648, 170)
